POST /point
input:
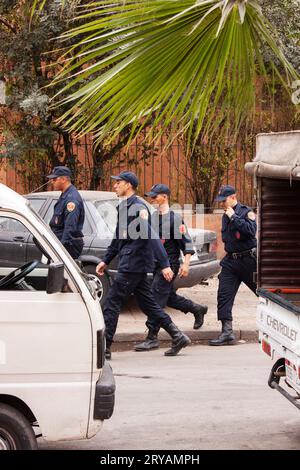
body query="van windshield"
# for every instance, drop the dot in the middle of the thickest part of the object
(71, 260)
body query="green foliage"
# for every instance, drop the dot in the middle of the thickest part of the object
(285, 16)
(187, 63)
(184, 61)
(34, 140)
(211, 158)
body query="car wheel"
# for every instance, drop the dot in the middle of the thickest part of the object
(91, 269)
(16, 432)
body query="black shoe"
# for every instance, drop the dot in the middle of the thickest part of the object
(226, 338)
(223, 340)
(179, 340)
(147, 345)
(108, 354)
(151, 341)
(199, 316)
(177, 346)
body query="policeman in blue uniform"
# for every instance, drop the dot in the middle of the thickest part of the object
(175, 238)
(136, 244)
(239, 264)
(68, 216)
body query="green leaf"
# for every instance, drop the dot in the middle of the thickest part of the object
(178, 61)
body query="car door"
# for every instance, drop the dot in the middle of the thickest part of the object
(13, 240)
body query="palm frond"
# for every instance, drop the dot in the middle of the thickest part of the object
(181, 61)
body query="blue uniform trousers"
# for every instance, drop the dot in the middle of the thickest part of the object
(125, 284)
(233, 273)
(165, 294)
(75, 249)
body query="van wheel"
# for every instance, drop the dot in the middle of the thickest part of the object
(16, 432)
(91, 269)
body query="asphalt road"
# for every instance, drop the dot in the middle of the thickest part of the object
(205, 398)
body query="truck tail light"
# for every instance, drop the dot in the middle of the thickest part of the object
(290, 364)
(266, 347)
(213, 247)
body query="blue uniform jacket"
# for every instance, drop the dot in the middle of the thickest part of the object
(68, 217)
(174, 235)
(239, 232)
(134, 241)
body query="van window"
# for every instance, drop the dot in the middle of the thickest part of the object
(11, 225)
(18, 248)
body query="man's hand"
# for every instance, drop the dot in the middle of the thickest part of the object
(183, 270)
(100, 268)
(168, 274)
(229, 212)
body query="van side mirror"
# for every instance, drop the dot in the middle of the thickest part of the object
(55, 281)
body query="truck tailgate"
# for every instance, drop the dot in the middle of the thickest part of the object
(282, 324)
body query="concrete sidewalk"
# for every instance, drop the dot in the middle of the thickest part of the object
(132, 329)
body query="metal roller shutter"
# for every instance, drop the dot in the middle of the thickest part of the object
(279, 225)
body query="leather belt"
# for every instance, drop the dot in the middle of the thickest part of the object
(240, 254)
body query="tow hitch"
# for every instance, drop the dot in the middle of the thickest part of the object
(277, 372)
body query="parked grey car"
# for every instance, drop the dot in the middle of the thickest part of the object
(17, 246)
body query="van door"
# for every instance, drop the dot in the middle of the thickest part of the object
(46, 344)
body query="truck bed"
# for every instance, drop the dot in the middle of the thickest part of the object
(290, 301)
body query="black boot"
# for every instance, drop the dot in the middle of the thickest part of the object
(108, 353)
(179, 340)
(226, 337)
(151, 341)
(199, 311)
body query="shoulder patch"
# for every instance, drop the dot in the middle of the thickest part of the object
(251, 215)
(144, 214)
(71, 206)
(182, 229)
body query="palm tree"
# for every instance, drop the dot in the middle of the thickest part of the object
(178, 62)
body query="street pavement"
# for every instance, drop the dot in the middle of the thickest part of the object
(204, 398)
(131, 326)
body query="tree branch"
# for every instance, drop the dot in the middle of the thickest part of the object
(8, 25)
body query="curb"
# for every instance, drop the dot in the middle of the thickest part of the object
(126, 341)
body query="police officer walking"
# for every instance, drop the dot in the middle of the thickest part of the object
(136, 244)
(175, 239)
(68, 216)
(239, 264)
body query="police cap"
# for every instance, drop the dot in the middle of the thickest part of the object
(59, 171)
(224, 192)
(128, 176)
(158, 189)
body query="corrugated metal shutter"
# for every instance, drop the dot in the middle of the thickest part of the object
(279, 240)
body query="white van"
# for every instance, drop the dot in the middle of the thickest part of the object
(54, 381)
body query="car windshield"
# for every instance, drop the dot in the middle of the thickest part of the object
(104, 213)
(105, 216)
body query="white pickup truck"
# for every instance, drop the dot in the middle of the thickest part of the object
(276, 169)
(54, 381)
